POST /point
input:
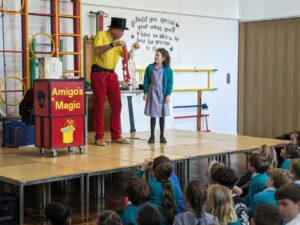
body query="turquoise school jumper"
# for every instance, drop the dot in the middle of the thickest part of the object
(129, 214)
(157, 196)
(257, 184)
(286, 164)
(238, 222)
(266, 196)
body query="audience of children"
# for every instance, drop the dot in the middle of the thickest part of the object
(196, 197)
(288, 198)
(273, 196)
(266, 214)
(219, 203)
(270, 155)
(228, 177)
(277, 178)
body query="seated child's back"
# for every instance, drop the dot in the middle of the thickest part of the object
(196, 196)
(138, 193)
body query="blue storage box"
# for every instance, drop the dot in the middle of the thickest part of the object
(17, 133)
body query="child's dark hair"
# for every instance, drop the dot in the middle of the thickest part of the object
(295, 168)
(166, 55)
(159, 160)
(138, 191)
(162, 173)
(57, 213)
(225, 176)
(148, 215)
(288, 191)
(109, 218)
(196, 195)
(292, 151)
(267, 214)
(260, 164)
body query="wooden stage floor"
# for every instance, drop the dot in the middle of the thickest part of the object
(23, 167)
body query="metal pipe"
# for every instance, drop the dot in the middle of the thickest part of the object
(191, 116)
(69, 53)
(40, 14)
(77, 31)
(11, 90)
(69, 35)
(193, 89)
(68, 16)
(13, 51)
(187, 106)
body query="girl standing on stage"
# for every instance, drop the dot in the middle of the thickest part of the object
(158, 85)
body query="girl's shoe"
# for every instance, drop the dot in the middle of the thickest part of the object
(163, 140)
(151, 140)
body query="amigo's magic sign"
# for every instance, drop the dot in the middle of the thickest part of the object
(59, 98)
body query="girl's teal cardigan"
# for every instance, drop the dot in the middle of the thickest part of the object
(167, 79)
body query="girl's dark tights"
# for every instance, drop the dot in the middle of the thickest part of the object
(161, 126)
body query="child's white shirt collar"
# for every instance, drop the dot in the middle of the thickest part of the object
(254, 174)
(270, 189)
(297, 182)
(295, 221)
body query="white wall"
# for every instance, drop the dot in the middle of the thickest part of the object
(208, 38)
(255, 10)
(208, 35)
(211, 8)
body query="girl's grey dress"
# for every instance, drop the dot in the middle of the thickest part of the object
(155, 105)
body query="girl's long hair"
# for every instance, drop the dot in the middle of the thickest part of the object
(220, 204)
(196, 196)
(162, 173)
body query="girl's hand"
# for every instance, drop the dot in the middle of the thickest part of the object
(147, 164)
(236, 190)
(167, 99)
(145, 98)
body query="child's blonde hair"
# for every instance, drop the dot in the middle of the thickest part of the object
(280, 177)
(269, 154)
(220, 204)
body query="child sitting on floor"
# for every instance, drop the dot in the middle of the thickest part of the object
(164, 193)
(57, 214)
(295, 170)
(196, 197)
(269, 154)
(288, 197)
(289, 151)
(219, 203)
(228, 177)
(277, 178)
(258, 166)
(266, 214)
(138, 193)
(181, 203)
